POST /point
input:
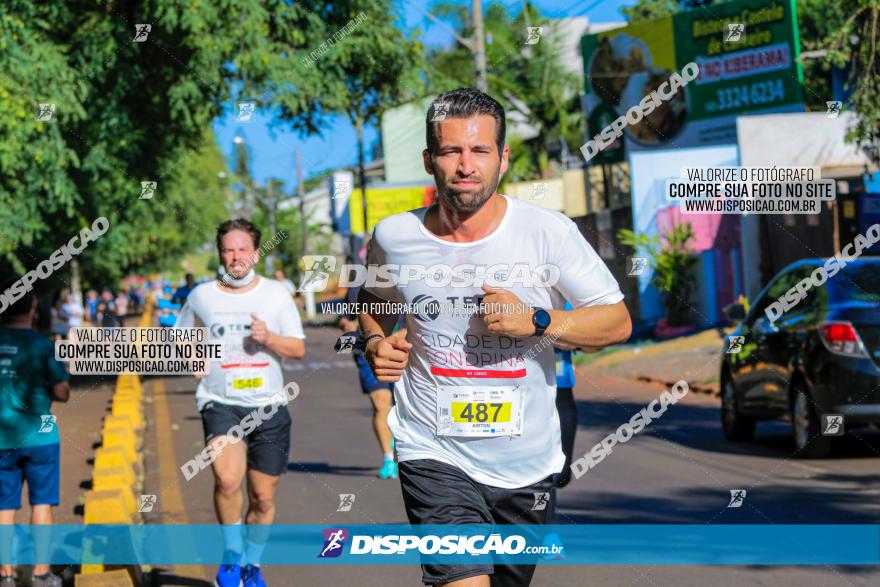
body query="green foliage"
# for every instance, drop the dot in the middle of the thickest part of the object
(363, 73)
(854, 44)
(129, 112)
(649, 10)
(672, 262)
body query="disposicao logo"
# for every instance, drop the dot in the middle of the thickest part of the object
(334, 542)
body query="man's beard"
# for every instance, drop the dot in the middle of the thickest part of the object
(467, 202)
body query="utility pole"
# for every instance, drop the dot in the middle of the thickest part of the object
(479, 47)
(362, 174)
(271, 205)
(475, 45)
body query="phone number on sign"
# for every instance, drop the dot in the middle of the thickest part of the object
(758, 93)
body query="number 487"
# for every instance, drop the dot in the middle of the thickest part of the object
(480, 412)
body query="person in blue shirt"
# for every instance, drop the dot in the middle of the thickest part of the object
(381, 394)
(566, 407)
(92, 305)
(30, 380)
(182, 292)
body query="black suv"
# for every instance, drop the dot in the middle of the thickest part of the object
(818, 360)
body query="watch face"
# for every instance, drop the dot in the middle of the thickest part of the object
(542, 319)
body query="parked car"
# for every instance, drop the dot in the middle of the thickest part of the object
(818, 359)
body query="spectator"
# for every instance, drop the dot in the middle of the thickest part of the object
(73, 311)
(288, 285)
(107, 310)
(30, 380)
(182, 292)
(135, 299)
(92, 305)
(121, 307)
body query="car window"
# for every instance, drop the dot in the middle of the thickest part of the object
(777, 289)
(860, 283)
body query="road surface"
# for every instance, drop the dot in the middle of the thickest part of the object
(678, 470)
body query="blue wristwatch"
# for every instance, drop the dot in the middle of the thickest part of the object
(541, 320)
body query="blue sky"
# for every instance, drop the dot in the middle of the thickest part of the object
(272, 146)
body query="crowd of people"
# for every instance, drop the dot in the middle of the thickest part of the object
(105, 309)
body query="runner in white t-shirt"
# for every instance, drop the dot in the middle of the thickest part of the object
(475, 421)
(258, 324)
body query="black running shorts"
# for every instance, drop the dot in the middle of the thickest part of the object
(268, 445)
(437, 493)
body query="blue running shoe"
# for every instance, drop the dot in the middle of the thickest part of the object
(388, 470)
(253, 577)
(229, 574)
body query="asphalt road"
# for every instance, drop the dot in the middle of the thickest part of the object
(678, 470)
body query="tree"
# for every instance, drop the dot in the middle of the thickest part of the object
(854, 45)
(529, 79)
(365, 66)
(127, 112)
(649, 9)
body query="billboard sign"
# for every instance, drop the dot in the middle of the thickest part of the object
(747, 53)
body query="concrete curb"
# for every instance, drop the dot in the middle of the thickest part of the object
(117, 480)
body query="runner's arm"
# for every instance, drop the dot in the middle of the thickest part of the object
(61, 391)
(372, 322)
(591, 328)
(288, 347)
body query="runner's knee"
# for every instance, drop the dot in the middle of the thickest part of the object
(227, 482)
(262, 501)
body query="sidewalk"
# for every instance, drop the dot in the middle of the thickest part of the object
(694, 358)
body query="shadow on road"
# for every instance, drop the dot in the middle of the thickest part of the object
(782, 490)
(329, 469)
(163, 577)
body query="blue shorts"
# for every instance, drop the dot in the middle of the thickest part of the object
(369, 383)
(40, 465)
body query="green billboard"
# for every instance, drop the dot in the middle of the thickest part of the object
(747, 53)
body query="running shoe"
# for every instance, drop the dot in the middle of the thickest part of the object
(253, 577)
(47, 580)
(230, 573)
(388, 470)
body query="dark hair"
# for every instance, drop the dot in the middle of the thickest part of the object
(189, 276)
(464, 103)
(238, 224)
(21, 306)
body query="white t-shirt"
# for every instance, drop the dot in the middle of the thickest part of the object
(75, 313)
(456, 351)
(249, 374)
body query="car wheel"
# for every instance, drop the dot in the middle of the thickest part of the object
(736, 427)
(806, 429)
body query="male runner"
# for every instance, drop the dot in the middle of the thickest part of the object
(455, 466)
(381, 394)
(30, 380)
(258, 324)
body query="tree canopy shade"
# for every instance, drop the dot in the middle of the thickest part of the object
(127, 112)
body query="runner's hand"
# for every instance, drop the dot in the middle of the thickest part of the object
(504, 313)
(259, 330)
(388, 356)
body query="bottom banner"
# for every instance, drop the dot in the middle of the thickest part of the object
(673, 544)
